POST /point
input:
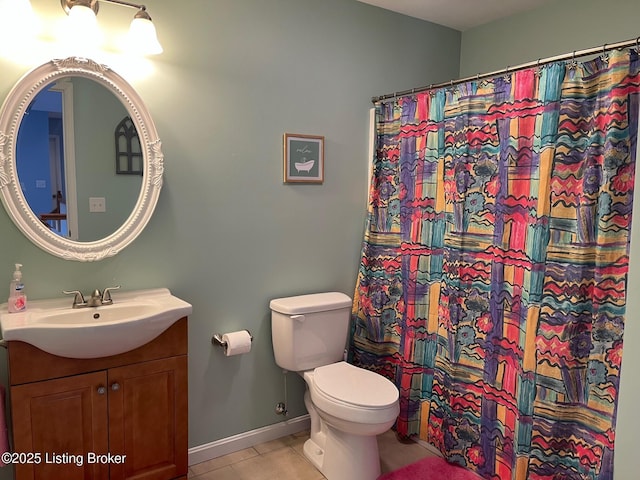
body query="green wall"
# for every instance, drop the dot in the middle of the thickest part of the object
(564, 26)
(561, 26)
(228, 235)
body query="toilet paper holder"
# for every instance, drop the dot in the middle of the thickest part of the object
(217, 339)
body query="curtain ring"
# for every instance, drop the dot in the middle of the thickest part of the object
(505, 77)
(604, 56)
(573, 64)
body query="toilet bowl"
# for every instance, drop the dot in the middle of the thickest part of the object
(348, 406)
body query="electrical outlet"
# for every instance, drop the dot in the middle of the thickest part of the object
(97, 204)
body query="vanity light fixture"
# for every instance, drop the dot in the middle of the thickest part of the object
(142, 37)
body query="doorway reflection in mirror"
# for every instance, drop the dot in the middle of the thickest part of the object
(40, 140)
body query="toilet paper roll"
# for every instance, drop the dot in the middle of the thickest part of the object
(237, 342)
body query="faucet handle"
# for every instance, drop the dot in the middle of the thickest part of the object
(106, 295)
(78, 299)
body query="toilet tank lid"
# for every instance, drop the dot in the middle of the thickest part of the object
(315, 302)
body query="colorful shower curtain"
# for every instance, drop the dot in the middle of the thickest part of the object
(493, 275)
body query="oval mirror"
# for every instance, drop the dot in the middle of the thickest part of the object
(80, 160)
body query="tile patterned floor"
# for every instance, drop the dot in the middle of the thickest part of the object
(282, 459)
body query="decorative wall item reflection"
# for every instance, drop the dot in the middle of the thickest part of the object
(129, 158)
(303, 158)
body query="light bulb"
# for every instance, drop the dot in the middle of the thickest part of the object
(83, 20)
(142, 36)
(82, 35)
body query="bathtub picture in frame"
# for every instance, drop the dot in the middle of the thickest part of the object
(303, 158)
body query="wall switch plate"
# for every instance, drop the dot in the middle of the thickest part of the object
(97, 204)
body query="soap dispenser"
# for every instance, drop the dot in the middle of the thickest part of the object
(17, 293)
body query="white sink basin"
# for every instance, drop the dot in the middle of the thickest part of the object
(135, 318)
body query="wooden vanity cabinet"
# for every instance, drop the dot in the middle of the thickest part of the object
(119, 417)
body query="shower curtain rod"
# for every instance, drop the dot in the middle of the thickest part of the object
(580, 53)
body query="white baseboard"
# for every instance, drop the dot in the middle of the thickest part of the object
(248, 439)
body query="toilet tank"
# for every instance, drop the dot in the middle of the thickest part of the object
(309, 331)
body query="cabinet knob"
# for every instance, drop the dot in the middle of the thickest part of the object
(101, 390)
(115, 386)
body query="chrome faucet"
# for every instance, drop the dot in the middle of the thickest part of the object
(97, 299)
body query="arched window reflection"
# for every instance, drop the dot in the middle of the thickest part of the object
(129, 159)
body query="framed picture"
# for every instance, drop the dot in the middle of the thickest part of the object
(303, 158)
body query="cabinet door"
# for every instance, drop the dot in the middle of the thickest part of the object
(62, 420)
(148, 419)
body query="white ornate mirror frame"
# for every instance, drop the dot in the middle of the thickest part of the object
(15, 203)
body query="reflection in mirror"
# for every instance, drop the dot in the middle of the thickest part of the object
(129, 158)
(59, 192)
(41, 171)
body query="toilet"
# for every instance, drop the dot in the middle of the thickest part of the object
(348, 406)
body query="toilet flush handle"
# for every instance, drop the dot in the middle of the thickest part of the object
(299, 318)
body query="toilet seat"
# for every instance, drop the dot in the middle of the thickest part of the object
(352, 393)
